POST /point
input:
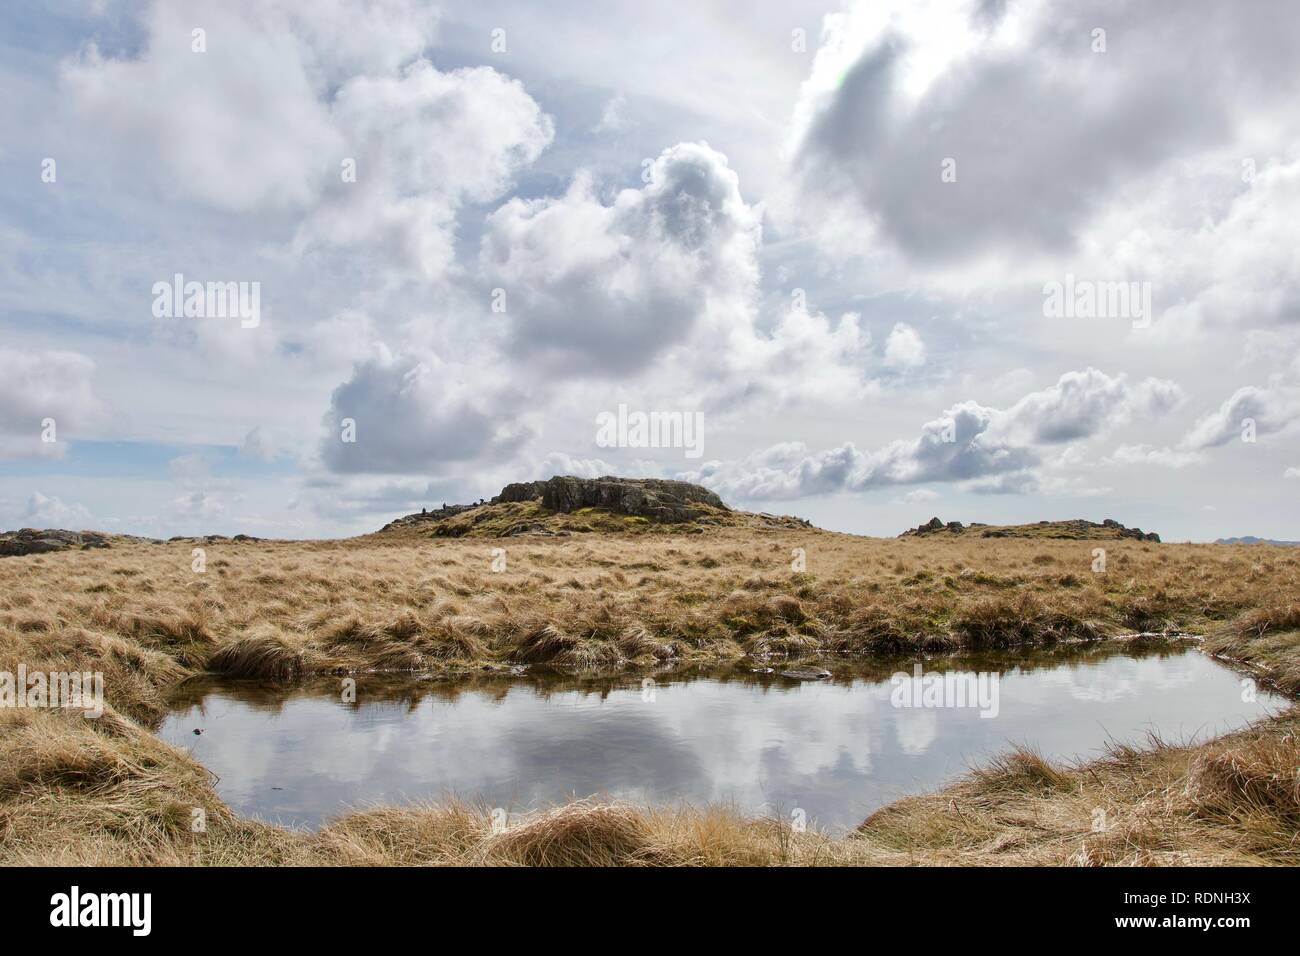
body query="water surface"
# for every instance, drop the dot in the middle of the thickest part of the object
(836, 749)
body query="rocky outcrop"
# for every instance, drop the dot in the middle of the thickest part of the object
(565, 505)
(654, 498)
(37, 541)
(1076, 528)
(935, 525)
(521, 491)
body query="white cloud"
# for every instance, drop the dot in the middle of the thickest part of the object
(1271, 410)
(1250, 411)
(806, 359)
(424, 143)
(558, 463)
(266, 118)
(240, 127)
(40, 385)
(613, 119)
(904, 348)
(198, 504)
(1082, 404)
(51, 512)
(602, 290)
(991, 450)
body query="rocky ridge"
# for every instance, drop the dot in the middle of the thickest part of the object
(1076, 528)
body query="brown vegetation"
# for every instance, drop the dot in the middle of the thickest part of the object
(106, 791)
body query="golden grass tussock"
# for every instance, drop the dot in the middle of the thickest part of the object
(265, 652)
(1261, 778)
(1022, 768)
(582, 833)
(105, 791)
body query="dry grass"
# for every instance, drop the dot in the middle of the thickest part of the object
(106, 791)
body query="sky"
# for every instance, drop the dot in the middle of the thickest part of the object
(990, 261)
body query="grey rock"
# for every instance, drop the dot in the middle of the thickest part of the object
(655, 498)
(36, 541)
(934, 524)
(806, 673)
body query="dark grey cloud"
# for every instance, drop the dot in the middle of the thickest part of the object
(1044, 131)
(415, 414)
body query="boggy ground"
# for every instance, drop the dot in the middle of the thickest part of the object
(106, 791)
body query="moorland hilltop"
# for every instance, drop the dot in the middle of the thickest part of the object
(631, 576)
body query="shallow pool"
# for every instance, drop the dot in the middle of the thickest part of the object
(829, 752)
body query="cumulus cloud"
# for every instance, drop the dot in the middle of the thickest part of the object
(424, 143)
(198, 504)
(668, 273)
(1271, 410)
(1043, 130)
(240, 126)
(558, 463)
(955, 447)
(335, 116)
(45, 511)
(1250, 410)
(1239, 268)
(414, 414)
(603, 289)
(990, 450)
(36, 386)
(904, 348)
(1082, 404)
